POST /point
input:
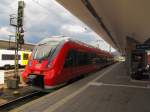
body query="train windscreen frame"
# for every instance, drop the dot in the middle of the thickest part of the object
(44, 50)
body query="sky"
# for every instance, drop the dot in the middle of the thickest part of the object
(46, 18)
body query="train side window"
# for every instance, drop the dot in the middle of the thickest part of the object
(79, 58)
(9, 57)
(70, 59)
(92, 58)
(82, 58)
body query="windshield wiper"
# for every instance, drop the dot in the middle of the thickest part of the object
(53, 51)
(51, 54)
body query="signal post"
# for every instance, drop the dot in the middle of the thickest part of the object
(17, 22)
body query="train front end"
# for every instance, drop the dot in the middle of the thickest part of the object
(40, 71)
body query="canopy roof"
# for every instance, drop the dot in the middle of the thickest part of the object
(114, 20)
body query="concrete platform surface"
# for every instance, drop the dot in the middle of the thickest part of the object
(108, 90)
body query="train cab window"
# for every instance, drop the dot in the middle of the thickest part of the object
(25, 56)
(70, 59)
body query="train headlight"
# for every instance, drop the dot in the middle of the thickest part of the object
(49, 65)
(30, 63)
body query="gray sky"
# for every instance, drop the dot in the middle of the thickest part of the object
(44, 18)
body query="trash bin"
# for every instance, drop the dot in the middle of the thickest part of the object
(12, 83)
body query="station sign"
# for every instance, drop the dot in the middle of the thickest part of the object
(1, 77)
(143, 46)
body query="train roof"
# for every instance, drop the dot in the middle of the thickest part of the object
(54, 38)
(65, 39)
(69, 39)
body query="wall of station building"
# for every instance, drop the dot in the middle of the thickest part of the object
(6, 45)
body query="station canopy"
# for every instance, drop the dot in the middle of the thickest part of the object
(114, 20)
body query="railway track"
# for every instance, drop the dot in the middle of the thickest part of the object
(20, 101)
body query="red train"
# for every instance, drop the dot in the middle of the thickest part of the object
(56, 60)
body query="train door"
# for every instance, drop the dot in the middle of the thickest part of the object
(80, 63)
(68, 67)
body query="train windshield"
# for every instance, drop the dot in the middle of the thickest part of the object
(44, 50)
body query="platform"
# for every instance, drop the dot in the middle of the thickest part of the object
(108, 90)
